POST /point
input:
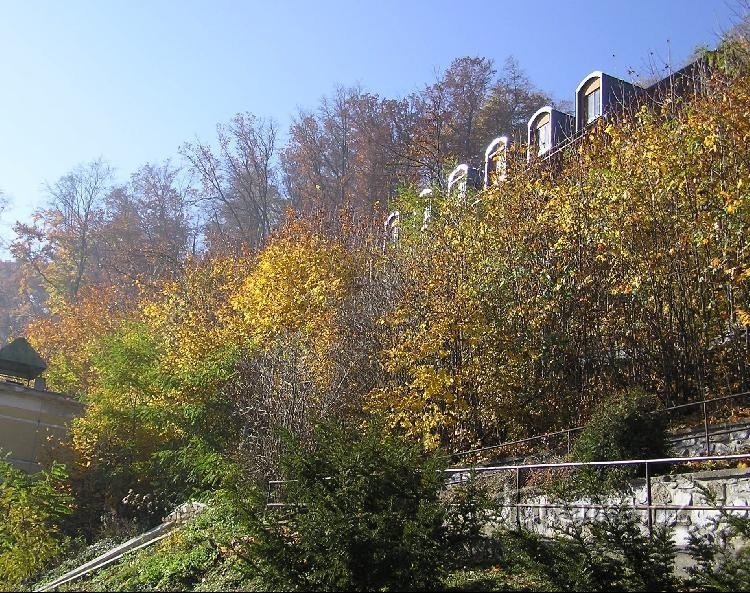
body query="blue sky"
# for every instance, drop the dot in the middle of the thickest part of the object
(132, 80)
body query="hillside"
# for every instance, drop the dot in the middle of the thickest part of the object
(622, 265)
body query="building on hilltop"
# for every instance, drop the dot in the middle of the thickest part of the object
(32, 420)
(551, 131)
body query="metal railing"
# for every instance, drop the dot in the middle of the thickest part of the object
(517, 469)
(270, 493)
(568, 432)
(647, 464)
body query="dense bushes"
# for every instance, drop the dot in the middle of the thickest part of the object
(626, 425)
(31, 511)
(721, 551)
(197, 556)
(364, 516)
(625, 264)
(617, 554)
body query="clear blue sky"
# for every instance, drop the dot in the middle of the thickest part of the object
(132, 80)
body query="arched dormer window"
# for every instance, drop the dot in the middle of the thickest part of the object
(461, 179)
(392, 228)
(600, 94)
(426, 194)
(496, 161)
(547, 128)
(589, 105)
(540, 132)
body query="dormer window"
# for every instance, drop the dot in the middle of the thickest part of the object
(392, 228)
(496, 161)
(463, 178)
(593, 105)
(544, 137)
(601, 95)
(547, 129)
(589, 98)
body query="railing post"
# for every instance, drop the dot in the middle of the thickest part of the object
(518, 498)
(268, 497)
(648, 502)
(568, 432)
(705, 430)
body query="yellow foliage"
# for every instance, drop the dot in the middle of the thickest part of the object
(296, 285)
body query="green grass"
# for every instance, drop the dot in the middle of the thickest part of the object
(196, 557)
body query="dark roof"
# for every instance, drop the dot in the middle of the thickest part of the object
(689, 78)
(19, 359)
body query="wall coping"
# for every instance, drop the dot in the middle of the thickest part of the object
(17, 388)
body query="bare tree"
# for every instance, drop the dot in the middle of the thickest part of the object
(447, 118)
(147, 229)
(60, 243)
(428, 148)
(319, 161)
(3, 206)
(239, 186)
(511, 101)
(467, 82)
(346, 154)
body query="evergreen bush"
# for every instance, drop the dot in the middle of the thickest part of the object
(626, 425)
(364, 515)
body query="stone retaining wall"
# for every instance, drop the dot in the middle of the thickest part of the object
(730, 487)
(731, 439)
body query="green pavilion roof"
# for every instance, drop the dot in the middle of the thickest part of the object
(19, 359)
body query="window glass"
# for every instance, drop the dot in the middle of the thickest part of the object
(593, 105)
(544, 137)
(501, 164)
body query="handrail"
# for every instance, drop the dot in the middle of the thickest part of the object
(621, 462)
(150, 537)
(518, 505)
(649, 506)
(577, 428)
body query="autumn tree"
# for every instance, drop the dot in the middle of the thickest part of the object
(467, 81)
(428, 148)
(305, 359)
(356, 149)
(446, 117)
(61, 243)
(458, 115)
(22, 299)
(165, 217)
(3, 206)
(148, 230)
(349, 153)
(239, 187)
(510, 102)
(319, 160)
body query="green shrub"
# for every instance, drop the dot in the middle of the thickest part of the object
(721, 552)
(31, 510)
(200, 555)
(615, 553)
(470, 509)
(366, 516)
(612, 554)
(623, 426)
